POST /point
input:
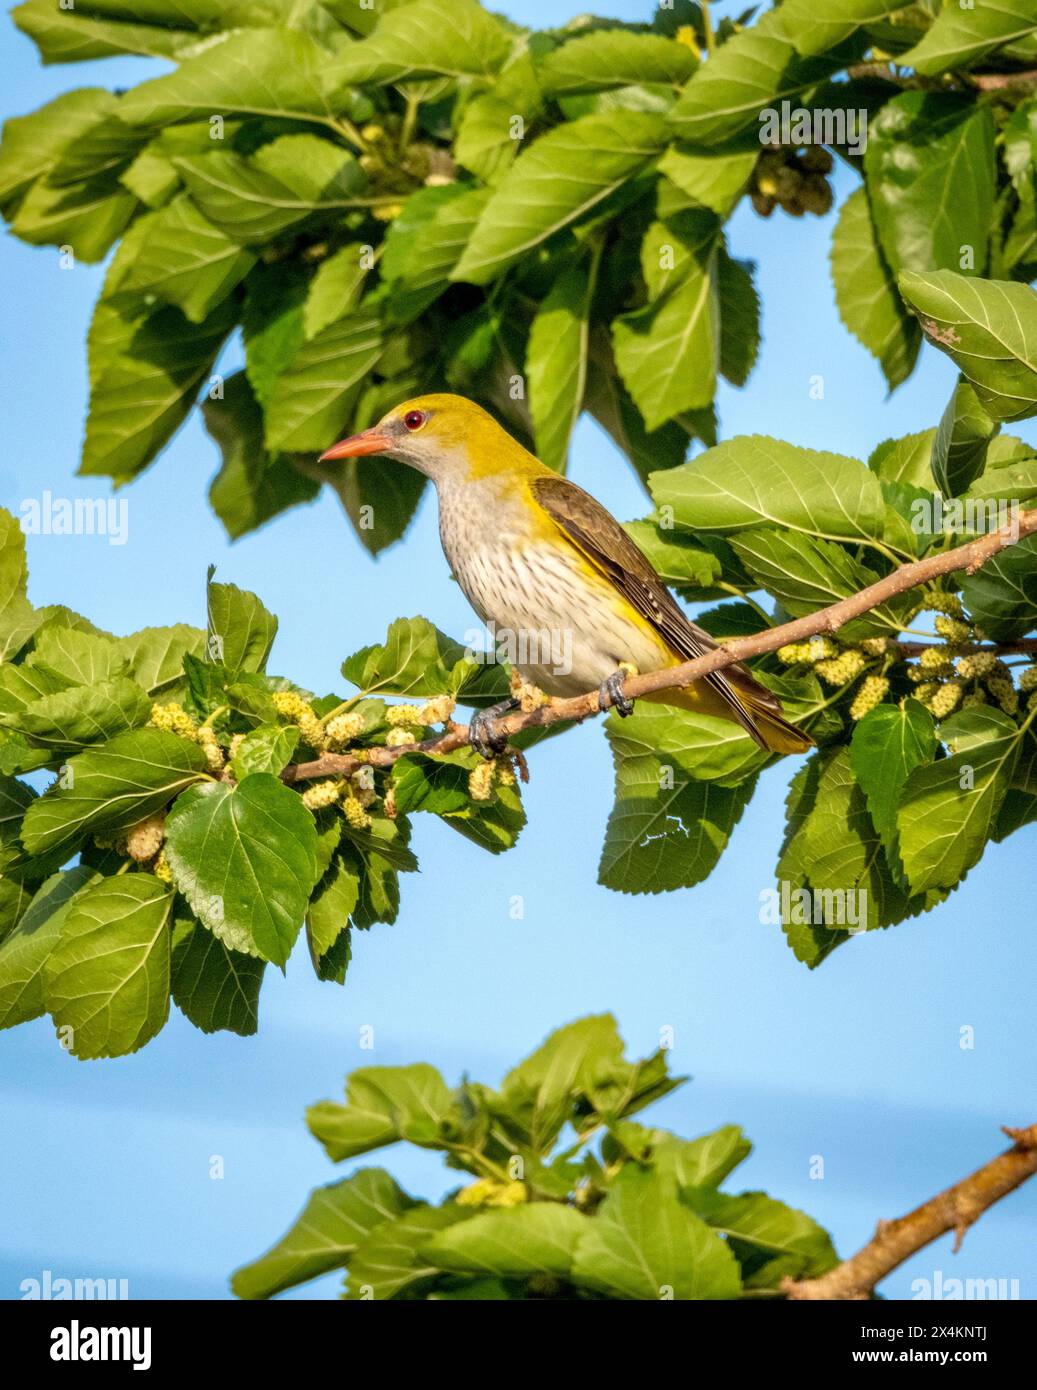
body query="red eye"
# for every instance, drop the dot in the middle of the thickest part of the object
(414, 419)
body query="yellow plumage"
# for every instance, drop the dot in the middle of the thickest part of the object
(549, 567)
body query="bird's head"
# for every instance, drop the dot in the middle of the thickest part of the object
(443, 436)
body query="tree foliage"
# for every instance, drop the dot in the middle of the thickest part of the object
(171, 853)
(571, 1198)
(424, 195)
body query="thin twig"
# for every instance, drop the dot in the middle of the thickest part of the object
(968, 557)
(952, 1210)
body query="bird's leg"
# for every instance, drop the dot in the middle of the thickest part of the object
(610, 691)
(486, 742)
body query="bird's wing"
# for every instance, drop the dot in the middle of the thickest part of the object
(601, 540)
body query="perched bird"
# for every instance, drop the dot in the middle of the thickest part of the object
(539, 557)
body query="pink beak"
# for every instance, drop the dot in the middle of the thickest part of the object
(369, 442)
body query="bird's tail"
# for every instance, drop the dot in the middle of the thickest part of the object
(739, 695)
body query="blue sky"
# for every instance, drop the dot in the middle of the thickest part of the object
(105, 1166)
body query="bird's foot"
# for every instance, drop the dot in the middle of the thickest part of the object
(610, 692)
(486, 741)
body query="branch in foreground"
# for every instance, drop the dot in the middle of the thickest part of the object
(953, 1210)
(968, 557)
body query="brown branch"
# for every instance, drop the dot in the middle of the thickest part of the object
(968, 557)
(998, 81)
(952, 1210)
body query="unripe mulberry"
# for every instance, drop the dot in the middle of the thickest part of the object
(210, 746)
(355, 814)
(946, 699)
(952, 630)
(144, 840)
(1004, 692)
(842, 669)
(162, 869)
(320, 794)
(480, 782)
(974, 700)
(438, 710)
(935, 660)
(1028, 679)
(486, 1192)
(872, 692)
(174, 719)
(343, 729)
(399, 716)
(976, 664)
(937, 601)
(398, 738)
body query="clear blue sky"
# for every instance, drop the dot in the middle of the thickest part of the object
(104, 1166)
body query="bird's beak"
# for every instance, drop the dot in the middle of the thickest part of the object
(369, 442)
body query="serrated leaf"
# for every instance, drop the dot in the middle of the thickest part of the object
(960, 447)
(244, 857)
(106, 980)
(739, 306)
(752, 481)
(988, 328)
(789, 1240)
(949, 808)
(214, 987)
(88, 215)
(1002, 596)
(957, 38)
(556, 362)
(333, 1223)
(71, 720)
(311, 400)
(918, 143)
(240, 630)
(112, 788)
(866, 293)
(417, 659)
(390, 1259)
(712, 176)
(560, 178)
(887, 745)
(25, 950)
(32, 143)
(429, 38)
(644, 1243)
(614, 58)
(384, 1104)
(814, 29)
(515, 1243)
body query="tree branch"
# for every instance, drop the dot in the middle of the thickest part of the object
(952, 1210)
(968, 557)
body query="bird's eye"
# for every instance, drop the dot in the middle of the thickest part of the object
(414, 419)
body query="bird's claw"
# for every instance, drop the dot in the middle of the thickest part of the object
(610, 694)
(486, 741)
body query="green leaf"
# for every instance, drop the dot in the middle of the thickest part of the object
(241, 631)
(613, 408)
(988, 328)
(144, 374)
(918, 145)
(214, 987)
(151, 177)
(805, 574)
(960, 447)
(384, 1104)
(429, 38)
(560, 178)
(391, 1258)
(183, 259)
(71, 720)
(417, 659)
(77, 658)
(703, 1162)
(790, 1241)
(949, 808)
(712, 176)
(24, 952)
(866, 293)
(32, 143)
(112, 787)
(958, 38)
(675, 558)
(262, 72)
(107, 978)
(311, 400)
(331, 1226)
(755, 68)
(253, 484)
(556, 362)
(513, 1243)
(156, 654)
(815, 29)
(646, 1244)
(335, 289)
(331, 906)
(614, 58)
(886, 747)
(244, 857)
(421, 253)
(70, 36)
(668, 352)
(752, 481)
(266, 749)
(88, 215)
(739, 318)
(666, 830)
(905, 460)
(1002, 596)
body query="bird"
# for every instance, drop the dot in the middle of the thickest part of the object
(542, 560)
